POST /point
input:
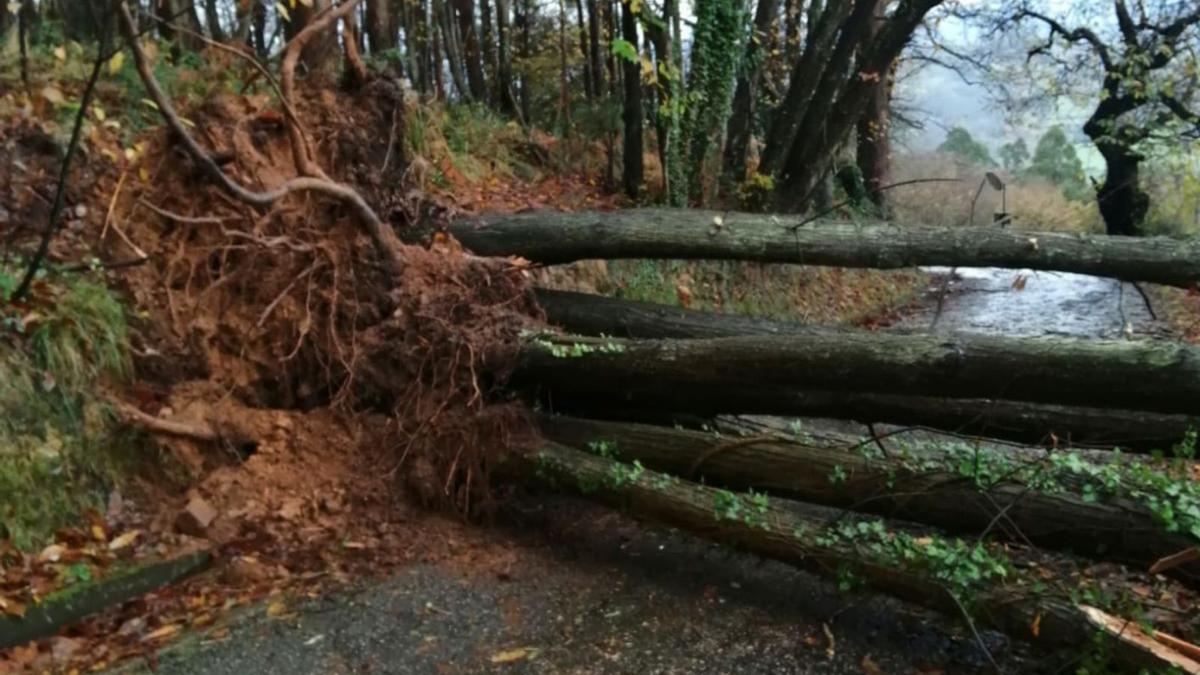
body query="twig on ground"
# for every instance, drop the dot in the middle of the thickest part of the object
(187, 220)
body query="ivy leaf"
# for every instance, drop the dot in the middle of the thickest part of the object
(625, 50)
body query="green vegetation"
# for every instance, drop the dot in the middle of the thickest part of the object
(1055, 160)
(59, 453)
(961, 145)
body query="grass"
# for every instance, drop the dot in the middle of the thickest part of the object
(821, 295)
(59, 451)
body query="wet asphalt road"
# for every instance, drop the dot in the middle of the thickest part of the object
(588, 591)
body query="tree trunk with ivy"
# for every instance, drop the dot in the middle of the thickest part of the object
(554, 238)
(716, 50)
(930, 570)
(745, 98)
(1034, 424)
(633, 173)
(963, 489)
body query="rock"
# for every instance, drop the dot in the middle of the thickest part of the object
(195, 518)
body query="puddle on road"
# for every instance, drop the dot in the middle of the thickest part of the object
(997, 301)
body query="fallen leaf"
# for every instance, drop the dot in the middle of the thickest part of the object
(830, 650)
(52, 553)
(869, 667)
(124, 541)
(512, 655)
(53, 95)
(12, 608)
(162, 632)
(1036, 626)
(98, 533)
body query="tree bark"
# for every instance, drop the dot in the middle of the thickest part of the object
(321, 51)
(522, 11)
(213, 18)
(634, 171)
(790, 532)
(450, 39)
(465, 9)
(745, 99)
(553, 238)
(1030, 423)
(381, 27)
(588, 86)
(873, 137)
(487, 35)
(1116, 530)
(694, 374)
(595, 61)
(504, 84)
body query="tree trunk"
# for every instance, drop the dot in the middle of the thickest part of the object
(873, 137)
(488, 48)
(552, 238)
(1122, 202)
(381, 27)
(1034, 424)
(595, 60)
(476, 80)
(1116, 530)
(589, 88)
(444, 13)
(508, 102)
(322, 50)
(435, 52)
(564, 89)
(693, 374)
(745, 99)
(213, 18)
(521, 24)
(719, 35)
(633, 173)
(794, 533)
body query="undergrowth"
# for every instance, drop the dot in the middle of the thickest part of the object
(59, 451)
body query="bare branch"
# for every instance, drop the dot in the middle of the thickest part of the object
(1076, 35)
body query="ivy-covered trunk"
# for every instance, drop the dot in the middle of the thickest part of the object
(719, 35)
(745, 99)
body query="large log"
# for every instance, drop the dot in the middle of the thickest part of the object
(793, 533)
(1032, 423)
(924, 488)
(680, 374)
(549, 237)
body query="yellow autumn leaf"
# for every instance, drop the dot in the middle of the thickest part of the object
(162, 632)
(60, 53)
(98, 533)
(124, 541)
(512, 655)
(99, 113)
(283, 11)
(115, 63)
(143, 175)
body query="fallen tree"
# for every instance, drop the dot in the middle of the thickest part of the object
(744, 374)
(926, 569)
(952, 490)
(552, 238)
(1032, 423)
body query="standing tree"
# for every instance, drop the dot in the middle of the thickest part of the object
(634, 171)
(381, 29)
(830, 88)
(716, 51)
(746, 97)
(1013, 155)
(1148, 69)
(962, 146)
(1055, 159)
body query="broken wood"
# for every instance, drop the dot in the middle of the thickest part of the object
(552, 238)
(76, 603)
(1032, 423)
(923, 487)
(793, 533)
(744, 374)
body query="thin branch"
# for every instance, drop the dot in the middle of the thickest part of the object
(64, 172)
(835, 207)
(187, 220)
(1076, 35)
